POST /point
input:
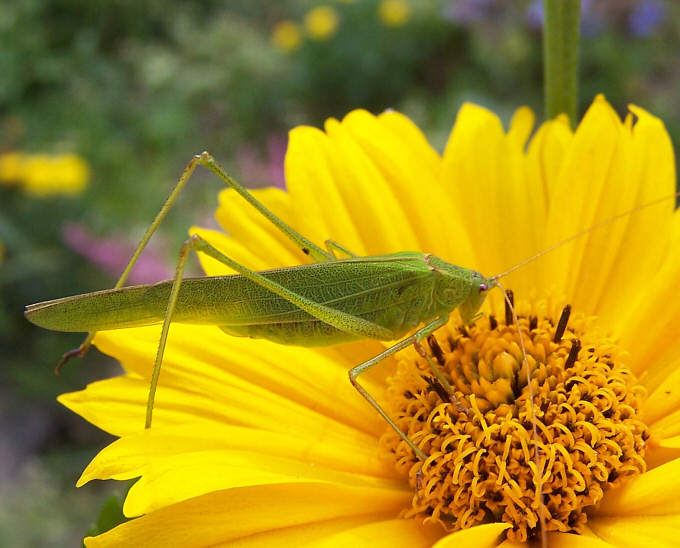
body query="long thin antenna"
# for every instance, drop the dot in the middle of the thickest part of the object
(584, 232)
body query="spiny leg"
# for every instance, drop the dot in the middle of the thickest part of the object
(204, 159)
(439, 376)
(418, 336)
(435, 370)
(338, 319)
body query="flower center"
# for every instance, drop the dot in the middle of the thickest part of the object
(496, 455)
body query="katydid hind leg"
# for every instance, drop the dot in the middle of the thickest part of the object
(186, 175)
(308, 247)
(205, 159)
(354, 373)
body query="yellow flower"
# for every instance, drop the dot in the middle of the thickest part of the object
(62, 174)
(394, 13)
(321, 23)
(286, 35)
(45, 175)
(11, 167)
(268, 445)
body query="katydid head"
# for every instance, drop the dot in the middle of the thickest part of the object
(460, 288)
(479, 289)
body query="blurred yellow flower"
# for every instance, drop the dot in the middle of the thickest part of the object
(286, 35)
(321, 23)
(11, 168)
(44, 174)
(394, 13)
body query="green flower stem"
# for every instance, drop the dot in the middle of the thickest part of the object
(560, 57)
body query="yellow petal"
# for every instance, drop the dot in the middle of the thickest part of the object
(668, 449)
(636, 531)
(667, 426)
(413, 138)
(377, 211)
(113, 405)
(250, 257)
(653, 493)
(254, 241)
(567, 540)
(582, 196)
(237, 513)
(345, 532)
(246, 380)
(485, 173)
(181, 477)
(641, 240)
(521, 125)
(653, 330)
(665, 399)
(546, 153)
(389, 533)
(131, 456)
(219, 388)
(421, 221)
(489, 534)
(246, 224)
(318, 203)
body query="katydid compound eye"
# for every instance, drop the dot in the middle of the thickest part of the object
(483, 287)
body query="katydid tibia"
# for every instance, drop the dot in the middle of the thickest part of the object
(330, 301)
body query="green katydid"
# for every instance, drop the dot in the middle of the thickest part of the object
(332, 300)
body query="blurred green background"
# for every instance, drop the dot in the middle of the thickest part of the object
(103, 103)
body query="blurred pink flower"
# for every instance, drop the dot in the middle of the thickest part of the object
(260, 171)
(112, 254)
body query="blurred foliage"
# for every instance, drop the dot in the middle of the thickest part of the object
(110, 515)
(136, 88)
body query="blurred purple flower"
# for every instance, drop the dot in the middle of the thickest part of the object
(592, 22)
(259, 171)
(534, 15)
(466, 12)
(646, 17)
(111, 255)
(276, 148)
